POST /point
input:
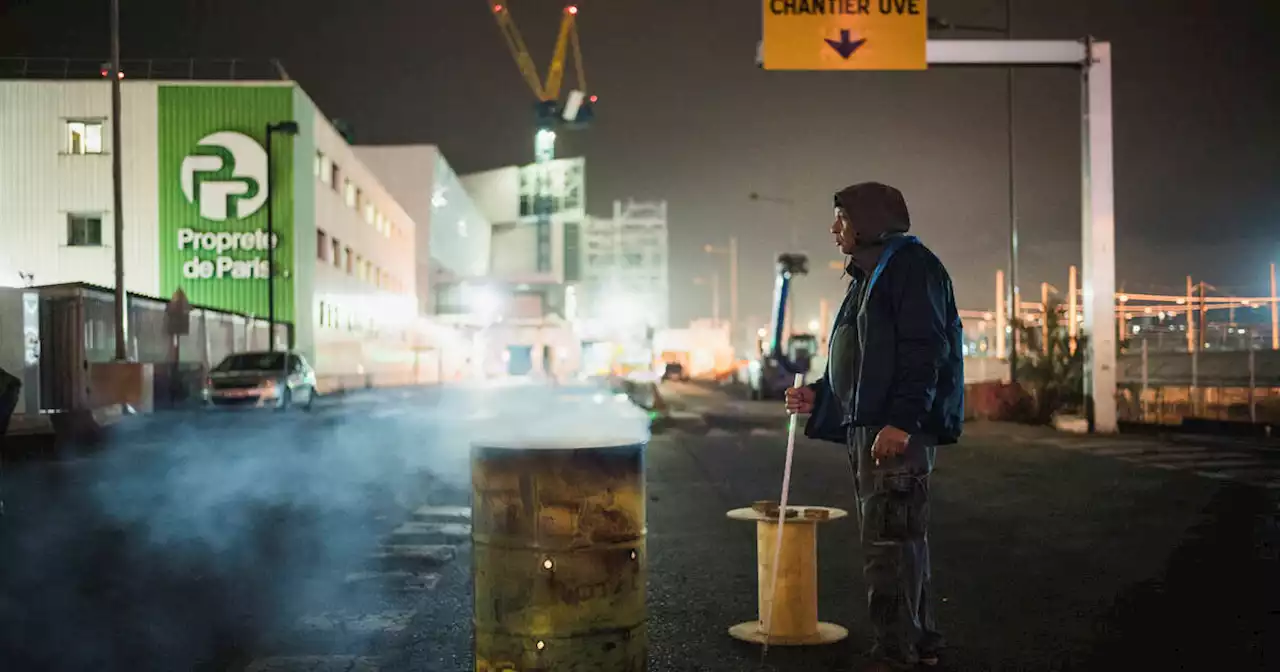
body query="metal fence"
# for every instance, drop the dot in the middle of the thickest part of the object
(77, 329)
(1167, 388)
(23, 67)
(1170, 387)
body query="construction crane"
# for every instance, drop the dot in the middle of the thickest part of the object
(549, 114)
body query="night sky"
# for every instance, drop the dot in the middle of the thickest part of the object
(684, 115)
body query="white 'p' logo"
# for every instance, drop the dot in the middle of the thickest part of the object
(219, 195)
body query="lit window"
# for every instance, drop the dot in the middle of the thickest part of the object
(315, 163)
(349, 193)
(84, 230)
(326, 169)
(84, 137)
(369, 213)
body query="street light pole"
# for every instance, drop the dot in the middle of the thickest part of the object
(732, 253)
(1014, 294)
(117, 190)
(1013, 298)
(287, 128)
(733, 289)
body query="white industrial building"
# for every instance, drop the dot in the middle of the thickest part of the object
(196, 188)
(625, 262)
(527, 305)
(452, 247)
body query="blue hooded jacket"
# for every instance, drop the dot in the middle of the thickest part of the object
(910, 359)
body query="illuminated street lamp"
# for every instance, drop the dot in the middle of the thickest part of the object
(285, 128)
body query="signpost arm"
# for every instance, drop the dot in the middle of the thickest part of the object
(1099, 236)
(271, 252)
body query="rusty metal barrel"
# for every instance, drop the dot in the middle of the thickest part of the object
(558, 536)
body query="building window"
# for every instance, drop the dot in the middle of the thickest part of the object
(84, 137)
(326, 168)
(335, 178)
(369, 213)
(337, 253)
(316, 162)
(572, 251)
(353, 261)
(350, 193)
(322, 245)
(84, 230)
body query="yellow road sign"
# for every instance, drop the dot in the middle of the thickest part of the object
(845, 34)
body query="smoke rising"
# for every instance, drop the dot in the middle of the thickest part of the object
(190, 543)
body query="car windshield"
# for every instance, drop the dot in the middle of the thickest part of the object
(252, 361)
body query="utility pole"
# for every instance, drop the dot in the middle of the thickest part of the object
(732, 253)
(1002, 317)
(1044, 317)
(1073, 324)
(117, 190)
(733, 290)
(1191, 323)
(1204, 318)
(1275, 323)
(715, 299)
(1014, 298)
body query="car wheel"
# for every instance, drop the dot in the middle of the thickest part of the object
(311, 399)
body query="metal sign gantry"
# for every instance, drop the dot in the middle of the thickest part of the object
(1093, 60)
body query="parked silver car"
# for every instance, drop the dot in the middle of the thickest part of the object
(262, 380)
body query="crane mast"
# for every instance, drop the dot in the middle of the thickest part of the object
(549, 114)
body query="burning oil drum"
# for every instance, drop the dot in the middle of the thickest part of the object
(558, 532)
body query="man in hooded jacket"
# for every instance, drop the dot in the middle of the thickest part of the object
(893, 392)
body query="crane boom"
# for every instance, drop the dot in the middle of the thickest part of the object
(520, 52)
(555, 73)
(548, 89)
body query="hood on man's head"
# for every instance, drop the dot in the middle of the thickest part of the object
(874, 210)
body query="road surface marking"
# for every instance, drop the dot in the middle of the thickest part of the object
(313, 664)
(416, 532)
(408, 581)
(449, 514)
(414, 554)
(1207, 455)
(387, 622)
(1204, 461)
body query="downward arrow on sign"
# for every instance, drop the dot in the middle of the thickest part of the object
(844, 46)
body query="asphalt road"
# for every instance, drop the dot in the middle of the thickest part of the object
(263, 542)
